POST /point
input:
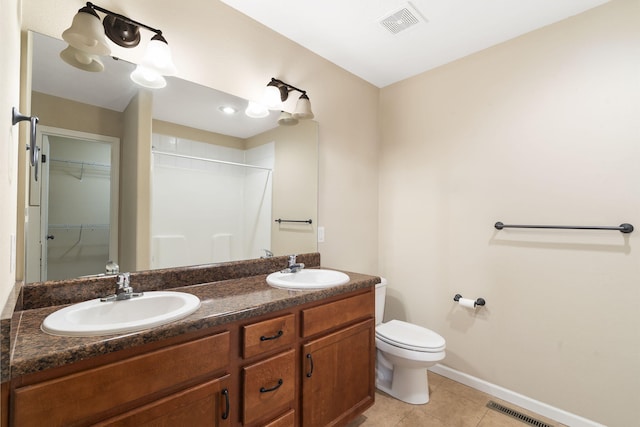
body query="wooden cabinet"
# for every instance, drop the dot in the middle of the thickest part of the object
(286, 420)
(308, 365)
(338, 375)
(87, 396)
(203, 405)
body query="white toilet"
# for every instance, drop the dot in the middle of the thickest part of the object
(404, 352)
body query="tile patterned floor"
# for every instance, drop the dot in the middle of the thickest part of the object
(451, 404)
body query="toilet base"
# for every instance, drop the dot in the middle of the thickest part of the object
(409, 385)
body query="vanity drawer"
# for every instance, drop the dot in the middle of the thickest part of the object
(286, 420)
(269, 387)
(335, 314)
(268, 335)
(84, 395)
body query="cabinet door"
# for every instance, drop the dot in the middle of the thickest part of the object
(206, 404)
(338, 375)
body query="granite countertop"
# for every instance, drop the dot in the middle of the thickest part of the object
(222, 302)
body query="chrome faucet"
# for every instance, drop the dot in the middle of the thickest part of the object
(293, 266)
(123, 289)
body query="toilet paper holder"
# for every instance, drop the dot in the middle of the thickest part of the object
(479, 301)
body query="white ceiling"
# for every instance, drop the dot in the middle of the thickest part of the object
(349, 34)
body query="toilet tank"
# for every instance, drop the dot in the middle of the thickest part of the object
(381, 293)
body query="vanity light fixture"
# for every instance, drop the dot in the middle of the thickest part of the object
(287, 119)
(87, 42)
(256, 110)
(275, 94)
(81, 59)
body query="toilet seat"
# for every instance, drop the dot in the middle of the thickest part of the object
(409, 336)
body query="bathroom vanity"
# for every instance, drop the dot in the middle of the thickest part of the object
(251, 355)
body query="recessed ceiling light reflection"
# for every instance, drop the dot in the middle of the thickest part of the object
(227, 109)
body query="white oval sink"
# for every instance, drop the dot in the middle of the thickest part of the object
(307, 279)
(94, 317)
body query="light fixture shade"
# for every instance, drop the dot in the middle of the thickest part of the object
(303, 108)
(148, 78)
(286, 119)
(86, 33)
(82, 60)
(158, 57)
(272, 97)
(255, 110)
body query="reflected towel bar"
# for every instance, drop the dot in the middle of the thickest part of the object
(306, 221)
(623, 228)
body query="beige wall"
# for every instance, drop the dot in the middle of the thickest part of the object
(9, 97)
(66, 114)
(135, 189)
(216, 46)
(295, 185)
(542, 129)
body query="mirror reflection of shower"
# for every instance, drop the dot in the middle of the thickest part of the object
(198, 189)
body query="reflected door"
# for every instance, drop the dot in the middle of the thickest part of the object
(75, 205)
(77, 208)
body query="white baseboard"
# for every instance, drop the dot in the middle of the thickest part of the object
(520, 400)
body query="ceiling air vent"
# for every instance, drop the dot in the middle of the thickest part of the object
(402, 19)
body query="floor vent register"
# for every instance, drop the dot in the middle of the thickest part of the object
(517, 415)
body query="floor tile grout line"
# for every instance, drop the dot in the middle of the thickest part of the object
(486, 412)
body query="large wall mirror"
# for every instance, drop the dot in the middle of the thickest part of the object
(159, 178)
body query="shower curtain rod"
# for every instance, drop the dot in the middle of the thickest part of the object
(204, 159)
(623, 228)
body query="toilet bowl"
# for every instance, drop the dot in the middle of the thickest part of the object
(404, 351)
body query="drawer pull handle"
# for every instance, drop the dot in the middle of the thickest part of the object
(225, 414)
(274, 388)
(273, 337)
(311, 362)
